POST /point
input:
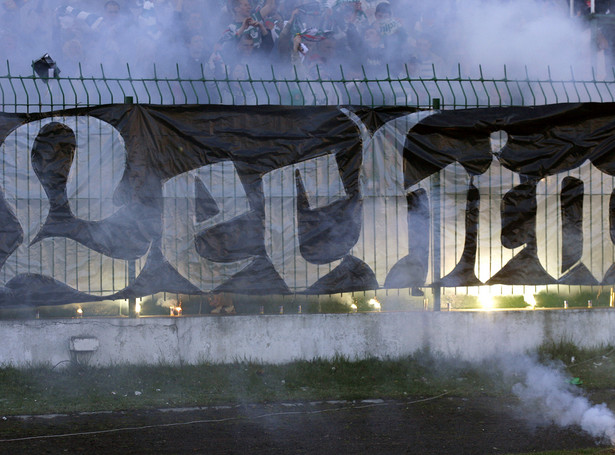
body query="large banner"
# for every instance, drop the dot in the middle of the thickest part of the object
(312, 200)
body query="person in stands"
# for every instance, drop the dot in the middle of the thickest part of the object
(247, 21)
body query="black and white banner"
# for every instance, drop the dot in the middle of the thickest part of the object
(317, 200)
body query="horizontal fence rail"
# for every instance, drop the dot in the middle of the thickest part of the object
(33, 93)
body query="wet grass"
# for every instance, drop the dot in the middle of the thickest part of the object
(595, 367)
(75, 388)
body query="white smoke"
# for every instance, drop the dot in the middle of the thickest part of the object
(546, 394)
(520, 33)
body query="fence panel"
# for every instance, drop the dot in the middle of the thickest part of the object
(35, 94)
(32, 94)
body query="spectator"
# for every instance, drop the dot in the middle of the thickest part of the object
(291, 28)
(244, 53)
(349, 22)
(427, 59)
(316, 58)
(195, 66)
(197, 56)
(112, 29)
(215, 63)
(186, 21)
(349, 12)
(374, 53)
(314, 50)
(75, 24)
(394, 37)
(375, 65)
(369, 8)
(72, 56)
(112, 10)
(251, 23)
(245, 56)
(274, 23)
(147, 20)
(194, 24)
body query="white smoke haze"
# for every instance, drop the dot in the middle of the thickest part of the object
(347, 300)
(521, 34)
(544, 392)
(532, 33)
(547, 395)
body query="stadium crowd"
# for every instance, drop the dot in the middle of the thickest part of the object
(216, 38)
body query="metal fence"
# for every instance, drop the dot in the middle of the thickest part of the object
(35, 94)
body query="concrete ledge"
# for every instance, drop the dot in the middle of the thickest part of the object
(278, 339)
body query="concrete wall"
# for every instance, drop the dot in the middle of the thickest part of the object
(279, 339)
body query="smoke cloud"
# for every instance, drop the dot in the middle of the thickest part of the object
(547, 395)
(524, 34)
(456, 36)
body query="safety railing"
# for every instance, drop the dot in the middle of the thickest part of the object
(33, 93)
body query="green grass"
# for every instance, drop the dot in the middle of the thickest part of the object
(73, 388)
(579, 300)
(543, 299)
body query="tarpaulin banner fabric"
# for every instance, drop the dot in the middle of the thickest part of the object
(313, 200)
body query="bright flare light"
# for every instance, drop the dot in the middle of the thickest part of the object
(485, 299)
(530, 300)
(176, 310)
(138, 308)
(79, 312)
(374, 304)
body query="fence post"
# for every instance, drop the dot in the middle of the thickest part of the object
(132, 264)
(437, 249)
(437, 238)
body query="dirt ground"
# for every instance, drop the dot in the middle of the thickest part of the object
(442, 425)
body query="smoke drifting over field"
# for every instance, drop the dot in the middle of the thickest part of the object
(547, 396)
(535, 33)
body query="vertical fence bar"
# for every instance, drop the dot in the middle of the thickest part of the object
(436, 233)
(436, 239)
(132, 264)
